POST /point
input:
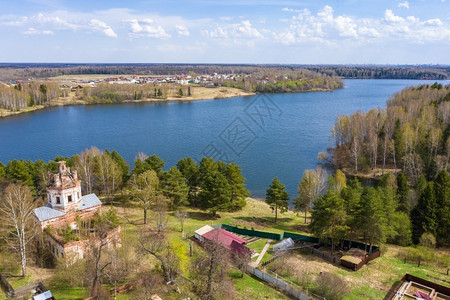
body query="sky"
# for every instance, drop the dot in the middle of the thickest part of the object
(226, 31)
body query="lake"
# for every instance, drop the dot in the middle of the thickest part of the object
(267, 135)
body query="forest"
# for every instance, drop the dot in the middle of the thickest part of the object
(385, 72)
(24, 71)
(410, 135)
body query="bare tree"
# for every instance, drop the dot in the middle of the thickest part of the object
(209, 271)
(96, 261)
(85, 164)
(108, 174)
(160, 210)
(312, 184)
(156, 244)
(144, 188)
(182, 215)
(17, 219)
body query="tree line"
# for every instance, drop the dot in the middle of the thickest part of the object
(208, 184)
(411, 134)
(390, 212)
(385, 72)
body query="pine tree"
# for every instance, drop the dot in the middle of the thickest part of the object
(442, 192)
(372, 217)
(402, 192)
(237, 185)
(329, 218)
(175, 188)
(277, 197)
(424, 216)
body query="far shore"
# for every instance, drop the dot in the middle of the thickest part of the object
(198, 93)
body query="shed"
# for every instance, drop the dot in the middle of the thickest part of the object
(227, 240)
(201, 231)
(284, 245)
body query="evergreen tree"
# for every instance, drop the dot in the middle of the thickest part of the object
(18, 171)
(442, 192)
(215, 193)
(150, 163)
(2, 171)
(277, 197)
(351, 196)
(421, 184)
(237, 185)
(122, 164)
(175, 188)
(424, 216)
(402, 192)
(329, 218)
(402, 229)
(372, 217)
(189, 169)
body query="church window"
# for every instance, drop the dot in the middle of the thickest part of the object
(58, 200)
(69, 198)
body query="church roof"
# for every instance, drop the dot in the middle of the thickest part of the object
(46, 212)
(88, 201)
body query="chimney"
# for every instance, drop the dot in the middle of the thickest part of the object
(61, 166)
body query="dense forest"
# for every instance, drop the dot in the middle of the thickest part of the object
(385, 72)
(25, 71)
(411, 135)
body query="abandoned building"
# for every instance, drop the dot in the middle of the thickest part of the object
(65, 206)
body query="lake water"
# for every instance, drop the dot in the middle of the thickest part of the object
(267, 135)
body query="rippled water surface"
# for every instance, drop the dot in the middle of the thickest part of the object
(274, 135)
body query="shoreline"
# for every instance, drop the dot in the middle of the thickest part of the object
(219, 93)
(205, 94)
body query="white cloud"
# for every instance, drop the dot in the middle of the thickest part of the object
(13, 20)
(146, 28)
(235, 31)
(390, 17)
(433, 22)
(102, 26)
(326, 28)
(404, 4)
(32, 31)
(182, 30)
(54, 21)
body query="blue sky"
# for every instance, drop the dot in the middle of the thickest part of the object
(213, 31)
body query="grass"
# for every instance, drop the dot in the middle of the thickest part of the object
(69, 293)
(249, 287)
(373, 281)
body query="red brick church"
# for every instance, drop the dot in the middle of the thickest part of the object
(64, 203)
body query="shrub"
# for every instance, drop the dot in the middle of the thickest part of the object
(331, 286)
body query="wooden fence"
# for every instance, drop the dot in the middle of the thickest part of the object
(325, 256)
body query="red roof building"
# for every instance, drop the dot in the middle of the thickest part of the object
(227, 240)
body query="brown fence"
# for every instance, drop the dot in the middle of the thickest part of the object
(325, 256)
(356, 267)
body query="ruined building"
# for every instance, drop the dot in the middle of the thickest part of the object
(66, 208)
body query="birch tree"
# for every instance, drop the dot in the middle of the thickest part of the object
(144, 188)
(17, 219)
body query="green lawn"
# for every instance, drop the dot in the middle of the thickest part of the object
(250, 287)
